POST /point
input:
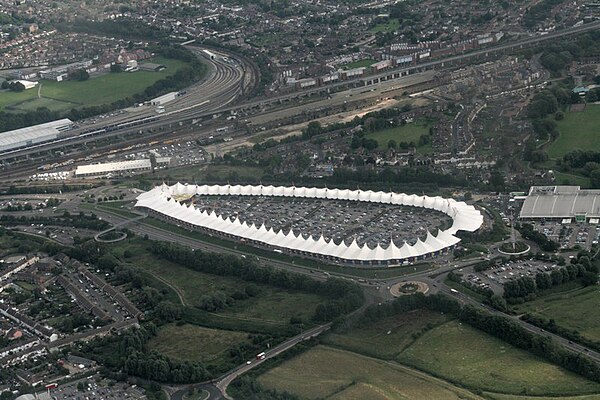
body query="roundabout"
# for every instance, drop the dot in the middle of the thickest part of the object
(408, 288)
(514, 249)
(110, 236)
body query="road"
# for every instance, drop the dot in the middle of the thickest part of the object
(435, 280)
(436, 284)
(225, 83)
(114, 227)
(228, 80)
(224, 381)
(574, 347)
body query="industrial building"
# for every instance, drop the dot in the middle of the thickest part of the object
(31, 135)
(61, 73)
(166, 202)
(164, 99)
(119, 167)
(27, 84)
(562, 203)
(152, 67)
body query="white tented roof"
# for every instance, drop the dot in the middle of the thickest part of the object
(465, 217)
(33, 134)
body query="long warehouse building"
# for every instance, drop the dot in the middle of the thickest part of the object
(562, 202)
(31, 135)
(163, 201)
(119, 167)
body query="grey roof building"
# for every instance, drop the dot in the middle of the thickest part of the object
(561, 202)
(31, 135)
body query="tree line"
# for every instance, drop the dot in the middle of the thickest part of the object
(343, 296)
(181, 79)
(12, 86)
(126, 28)
(557, 56)
(550, 325)
(539, 12)
(539, 238)
(457, 278)
(525, 288)
(48, 189)
(393, 177)
(586, 163)
(76, 221)
(128, 353)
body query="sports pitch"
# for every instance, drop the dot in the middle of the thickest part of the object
(578, 131)
(101, 89)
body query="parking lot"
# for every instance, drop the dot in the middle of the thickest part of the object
(93, 390)
(502, 273)
(341, 220)
(181, 153)
(570, 235)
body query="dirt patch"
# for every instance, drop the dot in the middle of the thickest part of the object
(578, 107)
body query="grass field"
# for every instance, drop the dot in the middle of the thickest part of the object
(195, 343)
(271, 304)
(325, 372)
(390, 26)
(387, 338)
(51, 104)
(360, 63)
(476, 360)
(570, 179)
(263, 39)
(100, 89)
(407, 133)
(8, 98)
(574, 309)
(578, 130)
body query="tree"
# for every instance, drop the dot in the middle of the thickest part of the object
(591, 96)
(498, 302)
(539, 156)
(370, 144)
(557, 277)
(79, 75)
(392, 144)
(595, 178)
(543, 280)
(497, 180)
(589, 278)
(168, 311)
(6, 395)
(5, 85)
(314, 128)
(16, 86)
